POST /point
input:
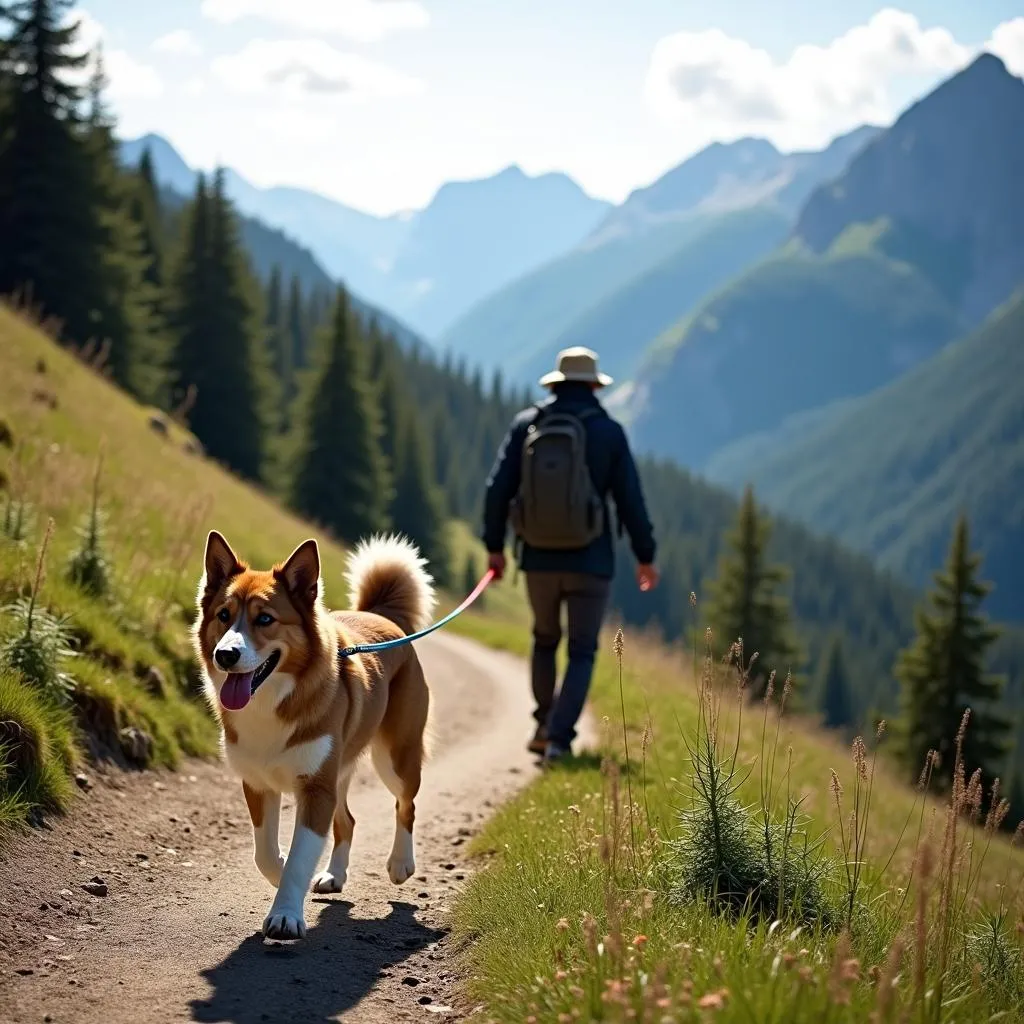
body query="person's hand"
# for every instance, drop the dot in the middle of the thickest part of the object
(647, 576)
(496, 563)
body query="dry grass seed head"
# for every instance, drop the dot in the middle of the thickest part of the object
(860, 757)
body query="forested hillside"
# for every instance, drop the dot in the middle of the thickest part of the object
(946, 439)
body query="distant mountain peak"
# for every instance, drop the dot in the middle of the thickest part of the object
(945, 178)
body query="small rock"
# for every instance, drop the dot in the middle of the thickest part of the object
(83, 781)
(458, 841)
(142, 856)
(66, 893)
(24, 971)
(95, 888)
(137, 745)
(407, 980)
(155, 682)
(448, 867)
(425, 1000)
(76, 853)
(423, 895)
(98, 879)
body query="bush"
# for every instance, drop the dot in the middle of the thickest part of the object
(88, 567)
(37, 750)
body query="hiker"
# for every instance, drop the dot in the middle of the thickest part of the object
(556, 467)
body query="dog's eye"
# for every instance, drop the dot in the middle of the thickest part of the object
(263, 619)
(224, 615)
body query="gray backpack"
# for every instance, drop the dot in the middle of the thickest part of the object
(557, 506)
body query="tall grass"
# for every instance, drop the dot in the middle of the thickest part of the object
(715, 877)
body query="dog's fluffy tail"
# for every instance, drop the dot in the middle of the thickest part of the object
(388, 576)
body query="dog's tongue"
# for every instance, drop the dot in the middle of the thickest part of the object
(237, 690)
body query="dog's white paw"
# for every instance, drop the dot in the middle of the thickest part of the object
(326, 881)
(402, 862)
(284, 925)
(400, 870)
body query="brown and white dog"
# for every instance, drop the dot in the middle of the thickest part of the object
(295, 717)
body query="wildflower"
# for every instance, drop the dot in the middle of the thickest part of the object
(787, 688)
(560, 975)
(617, 644)
(714, 1000)
(770, 689)
(837, 790)
(693, 599)
(1018, 833)
(574, 810)
(640, 941)
(562, 926)
(576, 992)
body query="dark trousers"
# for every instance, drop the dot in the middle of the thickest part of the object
(585, 598)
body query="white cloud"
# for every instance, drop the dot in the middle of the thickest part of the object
(194, 86)
(180, 42)
(127, 77)
(1007, 42)
(300, 68)
(363, 21)
(721, 86)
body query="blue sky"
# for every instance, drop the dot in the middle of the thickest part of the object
(378, 102)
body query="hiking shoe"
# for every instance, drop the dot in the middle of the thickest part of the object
(555, 752)
(539, 743)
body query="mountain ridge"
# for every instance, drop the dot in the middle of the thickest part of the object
(422, 265)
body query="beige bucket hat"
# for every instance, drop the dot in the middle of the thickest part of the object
(576, 364)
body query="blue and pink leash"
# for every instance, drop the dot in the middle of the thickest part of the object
(387, 645)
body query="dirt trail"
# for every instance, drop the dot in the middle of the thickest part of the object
(177, 936)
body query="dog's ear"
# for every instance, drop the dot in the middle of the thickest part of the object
(221, 563)
(301, 573)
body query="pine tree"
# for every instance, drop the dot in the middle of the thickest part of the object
(281, 346)
(215, 319)
(942, 671)
(341, 478)
(416, 508)
(48, 222)
(146, 211)
(833, 687)
(744, 603)
(396, 404)
(123, 310)
(297, 326)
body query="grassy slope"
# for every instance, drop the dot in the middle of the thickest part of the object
(621, 324)
(544, 860)
(948, 437)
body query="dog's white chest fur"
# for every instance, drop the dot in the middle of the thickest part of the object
(261, 755)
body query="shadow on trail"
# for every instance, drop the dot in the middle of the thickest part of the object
(590, 761)
(315, 980)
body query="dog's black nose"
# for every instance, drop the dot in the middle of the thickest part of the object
(227, 657)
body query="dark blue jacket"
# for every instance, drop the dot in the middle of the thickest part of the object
(612, 470)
